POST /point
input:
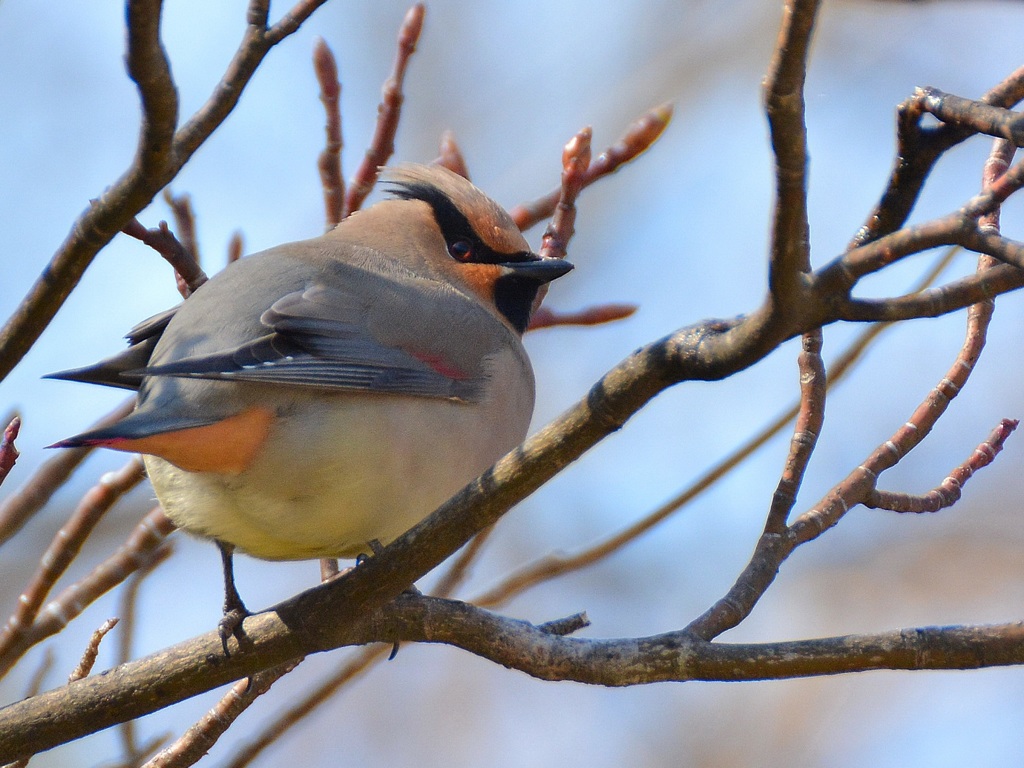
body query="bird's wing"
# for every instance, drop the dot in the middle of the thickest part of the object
(122, 370)
(318, 338)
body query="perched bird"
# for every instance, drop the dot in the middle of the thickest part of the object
(319, 397)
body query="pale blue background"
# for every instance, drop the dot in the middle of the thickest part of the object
(682, 233)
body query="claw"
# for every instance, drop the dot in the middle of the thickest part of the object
(231, 625)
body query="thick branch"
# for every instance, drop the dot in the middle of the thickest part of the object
(128, 691)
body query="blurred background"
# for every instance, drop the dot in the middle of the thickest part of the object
(682, 233)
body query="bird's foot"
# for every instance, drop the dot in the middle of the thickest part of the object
(230, 625)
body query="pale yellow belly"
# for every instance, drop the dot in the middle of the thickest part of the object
(332, 479)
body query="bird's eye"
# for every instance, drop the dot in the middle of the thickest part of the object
(461, 250)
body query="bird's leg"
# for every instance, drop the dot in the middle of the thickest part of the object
(234, 609)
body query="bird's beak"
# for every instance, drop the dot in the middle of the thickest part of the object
(539, 271)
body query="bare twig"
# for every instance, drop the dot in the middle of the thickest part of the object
(8, 451)
(133, 754)
(458, 569)
(575, 161)
(35, 683)
(774, 545)
(948, 491)
(968, 113)
(133, 554)
(860, 487)
(809, 420)
(996, 166)
(937, 301)
(329, 162)
(382, 146)
(62, 550)
(198, 739)
(270, 733)
(861, 484)
(556, 565)
(92, 650)
(637, 139)
(21, 505)
(184, 222)
(994, 180)
(329, 568)
(187, 272)
(450, 156)
(236, 246)
(604, 313)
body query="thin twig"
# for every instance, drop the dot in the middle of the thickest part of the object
(65, 546)
(450, 156)
(382, 146)
(187, 272)
(575, 162)
(35, 683)
(995, 180)
(236, 247)
(8, 451)
(637, 139)
(774, 544)
(458, 570)
(132, 555)
(968, 113)
(949, 490)
(184, 222)
(92, 650)
(48, 478)
(996, 166)
(599, 315)
(132, 753)
(809, 421)
(359, 664)
(936, 301)
(329, 163)
(774, 548)
(918, 149)
(197, 740)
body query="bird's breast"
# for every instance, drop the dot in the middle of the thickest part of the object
(339, 470)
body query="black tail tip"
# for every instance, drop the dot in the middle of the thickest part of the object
(74, 442)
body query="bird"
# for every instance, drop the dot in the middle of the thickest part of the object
(318, 399)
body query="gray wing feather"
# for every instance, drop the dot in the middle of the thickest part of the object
(318, 340)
